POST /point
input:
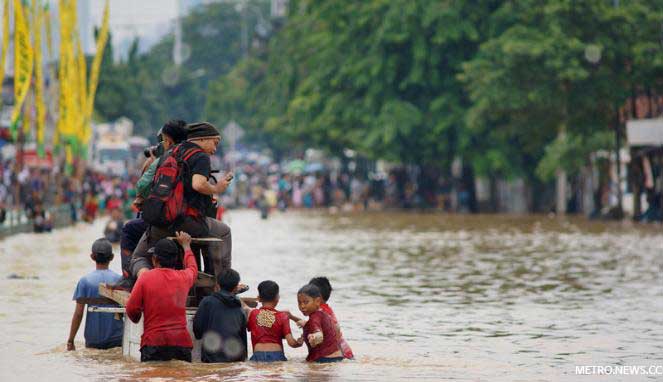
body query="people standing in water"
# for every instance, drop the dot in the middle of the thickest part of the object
(102, 330)
(269, 327)
(325, 290)
(220, 322)
(319, 332)
(160, 296)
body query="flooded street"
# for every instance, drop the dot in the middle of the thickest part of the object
(419, 296)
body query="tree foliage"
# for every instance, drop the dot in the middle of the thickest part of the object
(556, 67)
(149, 89)
(511, 87)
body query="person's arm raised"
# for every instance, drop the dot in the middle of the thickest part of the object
(190, 265)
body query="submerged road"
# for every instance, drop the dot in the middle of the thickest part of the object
(419, 296)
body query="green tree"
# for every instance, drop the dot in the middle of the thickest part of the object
(375, 76)
(149, 89)
(548, 83)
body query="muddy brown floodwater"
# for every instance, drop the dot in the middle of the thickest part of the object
(419, 296)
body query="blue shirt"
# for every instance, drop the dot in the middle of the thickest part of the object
(102, 330)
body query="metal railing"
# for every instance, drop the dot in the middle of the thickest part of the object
(17, 220)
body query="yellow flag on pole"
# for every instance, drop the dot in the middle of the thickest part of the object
(23, 62)
(62, 72)
(73, 77)
(65, 112)
(81, 91)
(39, 15)
(102, 39)
(5, 40)
(49, 30)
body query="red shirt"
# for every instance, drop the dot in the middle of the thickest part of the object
(268, 326)
(161, 295)
(345, 348)
(320, 321)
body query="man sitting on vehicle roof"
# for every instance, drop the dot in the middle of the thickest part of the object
(198, 191)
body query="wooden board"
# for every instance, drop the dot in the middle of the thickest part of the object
(205, 280)
(200, 239)
(119, 296)
(96, 301)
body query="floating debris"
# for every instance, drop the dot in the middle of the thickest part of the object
(14, 276)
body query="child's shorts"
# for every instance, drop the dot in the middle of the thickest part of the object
(268, 356)
(329, 359)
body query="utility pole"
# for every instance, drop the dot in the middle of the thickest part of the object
(561, 181)
(177, 46)
(245, 35)
(618, 147)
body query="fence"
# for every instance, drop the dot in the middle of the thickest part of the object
(17, 221)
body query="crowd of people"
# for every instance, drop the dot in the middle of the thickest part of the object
(271, 185)
(36, 192)
(41, 193)
(160, 269)
(222, 320)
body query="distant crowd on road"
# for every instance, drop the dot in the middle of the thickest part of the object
(34, 192)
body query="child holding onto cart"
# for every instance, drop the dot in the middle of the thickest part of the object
(325, 290)
(269, 327)
(319, 331)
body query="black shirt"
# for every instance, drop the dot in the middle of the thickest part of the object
(221, 317)
(199, 163)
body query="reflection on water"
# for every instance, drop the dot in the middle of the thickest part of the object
(418, 295)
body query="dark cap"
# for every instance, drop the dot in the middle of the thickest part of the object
(166, 251)
(102, 247)
(202, 130)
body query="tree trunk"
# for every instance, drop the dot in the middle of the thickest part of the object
(494, 194)
(469, 186)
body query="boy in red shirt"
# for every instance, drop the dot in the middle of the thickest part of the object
(325, 289)
(319, 331)
(269, 327)
(160, 294)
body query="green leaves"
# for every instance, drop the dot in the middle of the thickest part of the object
(493, 82)
(150, 90)
(571, 152)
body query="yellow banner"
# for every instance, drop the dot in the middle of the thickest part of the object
(49, 30)
(73, 120)
(81, 91)
(38, 17)
(65, 114)
(5, 40)
(62, 72)
(102, 39)
(23, 60)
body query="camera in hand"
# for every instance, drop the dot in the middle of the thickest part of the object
(155, 151)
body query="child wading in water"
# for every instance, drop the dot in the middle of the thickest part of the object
(319, 331)
(269, 327)
(325, 289)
